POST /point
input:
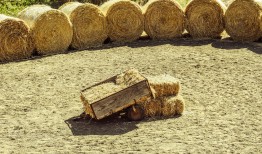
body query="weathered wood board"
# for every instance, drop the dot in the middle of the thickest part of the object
(117, 101)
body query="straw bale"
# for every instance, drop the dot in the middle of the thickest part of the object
(172, 105)
(129, 77)
(243, 20)
(164, 85)
(164, 19)
(205, 18)
(151, 108)
(51, 29)
(163, 106)
(15, 39)
(89, 24)
(125, 20)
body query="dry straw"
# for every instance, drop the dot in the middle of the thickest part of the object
(152, 108)
(51, 29)
(243, 20)
(129, 77)
(205, 18)
(163, 106)
(164, 85)
(173, 105)
(89, 24)
(164, 19)
(125, 20)
(15, 39)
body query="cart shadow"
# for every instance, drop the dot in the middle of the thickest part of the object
(112, 125)
(108, 126)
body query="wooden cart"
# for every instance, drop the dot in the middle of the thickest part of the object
(118, 101)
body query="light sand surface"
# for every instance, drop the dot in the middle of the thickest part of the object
(221, 83)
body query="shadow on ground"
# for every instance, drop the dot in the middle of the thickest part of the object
(228, 43)
(108, 126)
(175, 42)
(112, 125)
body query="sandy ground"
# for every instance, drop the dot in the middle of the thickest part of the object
(221, 83)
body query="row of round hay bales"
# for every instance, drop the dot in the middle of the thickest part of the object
(50, 31)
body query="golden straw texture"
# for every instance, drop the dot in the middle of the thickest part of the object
(163, 106)
(164, 85)
(129, 77)
(151, 108)
(173, 105)
(51, 29)
(205, 18)
(15, 39)
(243, 20)
(89, 24)
(164, 19)
(125, 20)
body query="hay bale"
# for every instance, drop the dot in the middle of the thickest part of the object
(243, 20)
(125, 20)
(163, 106)
(164, 19)
(129, 77)
(15, 39)
(151, 108)
(89, 24)
(205, 18)
(51, 29)
(173, 105)
(164, 85)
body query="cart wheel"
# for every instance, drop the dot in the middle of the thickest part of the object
(135, 113)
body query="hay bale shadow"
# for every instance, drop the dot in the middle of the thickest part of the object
(108, 126)
(175, 42)
(229, 44)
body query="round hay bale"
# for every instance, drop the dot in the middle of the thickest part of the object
(15, 39)
(205, 18)
(243, 20)
(89, 24)
(164, 19)
(51, 29)
(125, 20)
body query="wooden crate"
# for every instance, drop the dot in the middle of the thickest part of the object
(117, 101)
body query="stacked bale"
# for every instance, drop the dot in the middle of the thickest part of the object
(51, 29)
(89, 24)
(164, 19)
(243, 20)
(168, 102)
(164, 85)
(205, 18)
(15, 39)
(125, 20)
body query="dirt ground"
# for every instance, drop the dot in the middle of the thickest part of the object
(221, 83)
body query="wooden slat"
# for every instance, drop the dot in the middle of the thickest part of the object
(87, 108)
(120, 100)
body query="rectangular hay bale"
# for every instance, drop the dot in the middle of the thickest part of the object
(164, 85)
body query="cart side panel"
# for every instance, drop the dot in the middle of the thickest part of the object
(120, 100)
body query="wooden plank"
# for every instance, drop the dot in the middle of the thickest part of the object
(120, 100)
(87, 107)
